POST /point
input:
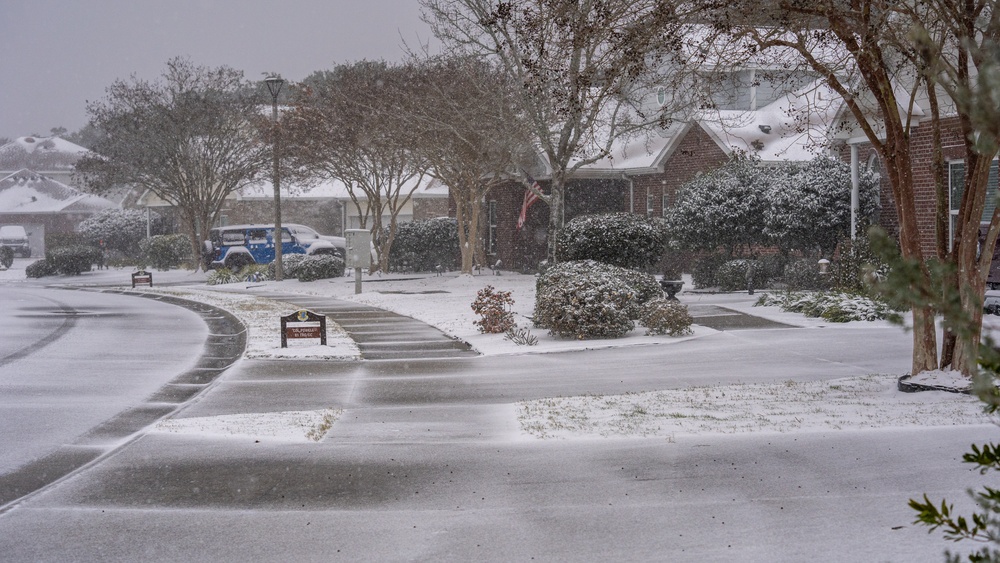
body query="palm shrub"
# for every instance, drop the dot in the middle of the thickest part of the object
(621, 239)
(665, 316)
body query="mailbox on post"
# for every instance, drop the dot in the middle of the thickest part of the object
(358, 253)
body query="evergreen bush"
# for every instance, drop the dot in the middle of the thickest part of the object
(804, 274)
(422, 246)
(627, 240)
(73, 260)
(40, 269)
(732, 275)
(586, 299)
(665, 316)
(705, 267)
(6, 256)
(319, 267)
(165, 251)
(122, 230)
(289, 266)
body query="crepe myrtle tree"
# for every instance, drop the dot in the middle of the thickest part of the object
(463, 111)
(585, 72)
(887, 61)
(192, 137)
(349, 124)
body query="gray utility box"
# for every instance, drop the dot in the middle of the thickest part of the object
(358, 253)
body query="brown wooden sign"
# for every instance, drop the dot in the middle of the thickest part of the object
(142, 276)
(303, 324)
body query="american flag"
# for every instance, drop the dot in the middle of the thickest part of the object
(530, 197)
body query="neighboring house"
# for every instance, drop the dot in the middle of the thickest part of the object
(43, 205)
(325, 206)
(52, 157)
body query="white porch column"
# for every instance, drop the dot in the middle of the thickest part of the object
(855, 191)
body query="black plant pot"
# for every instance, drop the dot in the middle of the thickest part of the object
(671, 288)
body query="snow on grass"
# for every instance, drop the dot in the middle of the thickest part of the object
(262, 318)
(868, 402)
(290, 426)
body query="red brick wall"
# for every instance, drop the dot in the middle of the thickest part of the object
(696, 154)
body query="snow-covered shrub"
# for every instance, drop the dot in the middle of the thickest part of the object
(705, 267)
(838, 307)
(289, 266)
(585, 299)
(422, 246)
(723, 209)
(120, 229)
(644, 287)
(804, 274)
(774, 265)
(732, 275)
(809, 204)
(319, 267)
(165, 251)
(222, 276)
(493, 308)
(622, 239)
(40, 269)
(665, 316)
(6, 256)
(73, 260)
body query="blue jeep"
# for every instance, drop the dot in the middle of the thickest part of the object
(237, 246)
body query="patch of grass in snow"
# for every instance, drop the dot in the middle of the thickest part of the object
(852, 403)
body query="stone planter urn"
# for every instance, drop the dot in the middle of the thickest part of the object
(671, 288)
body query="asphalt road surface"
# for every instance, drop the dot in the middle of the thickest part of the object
(427, 463)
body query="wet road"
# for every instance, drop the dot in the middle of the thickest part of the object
(427, 463)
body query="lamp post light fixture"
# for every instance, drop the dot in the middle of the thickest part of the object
(274, 84)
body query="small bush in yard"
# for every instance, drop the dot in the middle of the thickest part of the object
(319, 267)
(665, 316)
(257, 273)
(422, 246)
(836, 307)
(804, 274)
(732, 275)
(493, 308)
(585, 299)
(72, 260)
(40, 269)
(705, 268)
(6, 256)
(521, 336)
(166, 251)
(289, 266)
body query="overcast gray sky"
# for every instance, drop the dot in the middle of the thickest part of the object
(58, 54)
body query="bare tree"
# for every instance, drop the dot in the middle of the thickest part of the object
(470, 132)
(192, 138)
(882, 58)
(582, 67)
(348, 124)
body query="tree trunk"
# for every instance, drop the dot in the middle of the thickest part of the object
(557, 213)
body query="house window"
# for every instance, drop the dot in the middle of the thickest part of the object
(649, 205)
(956, 187)
(491, 237)
(665, 206)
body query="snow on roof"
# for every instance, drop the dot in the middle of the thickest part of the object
(40, 153)
(332, 189)
(793, 127)
(26, 191)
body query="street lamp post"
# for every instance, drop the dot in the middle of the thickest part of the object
(274, 84)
